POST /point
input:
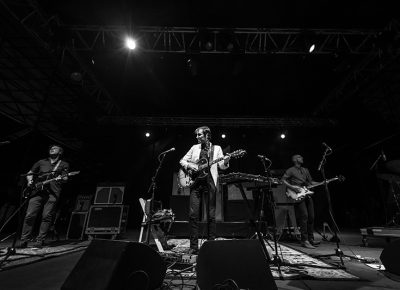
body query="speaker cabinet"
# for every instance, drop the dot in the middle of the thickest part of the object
(390, 257)
(76, 226)
(107, 219)
(115, 265)
(240, 260)
(109, 194)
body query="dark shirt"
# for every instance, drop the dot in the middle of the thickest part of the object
(45, 166)
(298, 176)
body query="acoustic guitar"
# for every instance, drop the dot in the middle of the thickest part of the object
(187, 178)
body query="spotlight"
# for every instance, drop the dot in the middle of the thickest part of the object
(311, 49)
(223, 136)
(130, 43)
(147, 134)
(283, 136)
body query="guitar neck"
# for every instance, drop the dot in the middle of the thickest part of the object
(322, 182)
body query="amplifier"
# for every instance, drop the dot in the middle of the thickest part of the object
(107, 219)
(83, 202)
(109, 194)
(76, 226)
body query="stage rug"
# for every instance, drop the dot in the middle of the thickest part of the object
(31, 255)
(302, 266)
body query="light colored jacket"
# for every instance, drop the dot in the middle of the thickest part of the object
(193, 155)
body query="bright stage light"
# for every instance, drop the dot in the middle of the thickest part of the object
(311, 49)
(283, 136)
(147, 134)
(223, 136)
(130, 43)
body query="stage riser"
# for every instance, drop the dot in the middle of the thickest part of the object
(224, 229)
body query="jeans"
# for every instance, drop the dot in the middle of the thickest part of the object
(48, 201)
(204, 190)
(305, 218)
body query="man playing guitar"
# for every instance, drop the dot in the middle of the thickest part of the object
(204, 187)
(295, 178)
(45, 196)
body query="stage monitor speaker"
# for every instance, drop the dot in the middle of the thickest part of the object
(115, 265)
(242, 261)
(109, 194)
(390, 257)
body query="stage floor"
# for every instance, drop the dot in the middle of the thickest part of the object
(51, 273)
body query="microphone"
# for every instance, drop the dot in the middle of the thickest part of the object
(327, 147)
(383, 156)
(263, 157)
(167, 151)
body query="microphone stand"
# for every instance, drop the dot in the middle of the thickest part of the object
(152, 189)
(10, 251)
(338, 251)
(276, 259)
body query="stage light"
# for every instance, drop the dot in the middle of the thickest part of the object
(311, 49)
(283, 136)
(147, 134)
(130, 43)
(223, 136)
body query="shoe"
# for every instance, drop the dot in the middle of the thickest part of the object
(193, 251)
(38, 244)
(314, 243)
(306, 244)
(22, 245)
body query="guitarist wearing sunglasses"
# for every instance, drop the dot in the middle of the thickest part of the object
(295, 178)
(205, 185)
(45, 196)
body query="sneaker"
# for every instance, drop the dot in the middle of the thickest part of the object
(314, 243)
(38, 244)
(22, 244)
(306, 244)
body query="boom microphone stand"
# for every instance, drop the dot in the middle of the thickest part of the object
(11, 251)
(152, 189)
(276, 259)
(338, 252)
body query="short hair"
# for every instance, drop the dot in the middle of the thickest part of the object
(295, 156)
(56, 145)
(206, 131)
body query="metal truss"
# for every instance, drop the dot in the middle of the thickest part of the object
(36, 88)
(362, 74)
(217, 121)
(223, 40)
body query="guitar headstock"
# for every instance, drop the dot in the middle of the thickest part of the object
(341, 178)
(237, 153)
(73, 173)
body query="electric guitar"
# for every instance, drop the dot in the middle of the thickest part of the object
(305, 190)
(187, 178)
(34, 188)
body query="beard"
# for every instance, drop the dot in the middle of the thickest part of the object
(54, 156)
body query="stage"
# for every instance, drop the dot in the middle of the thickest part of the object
(50, 272)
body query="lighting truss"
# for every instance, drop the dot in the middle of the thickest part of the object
(271, 122)
(243, 40)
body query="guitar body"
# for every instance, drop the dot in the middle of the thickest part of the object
(305, 190)
(298, 196)
(188, 178)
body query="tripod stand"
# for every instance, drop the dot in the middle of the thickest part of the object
(10, 251)
(338, 251)
(152, 189)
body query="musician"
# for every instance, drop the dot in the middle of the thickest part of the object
(205, 188)
(46, 197)
(294, 178)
